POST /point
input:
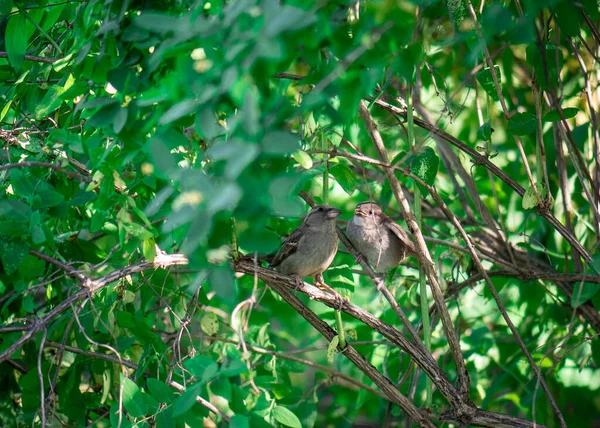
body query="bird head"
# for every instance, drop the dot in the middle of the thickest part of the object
(368, 214)
(321, 215)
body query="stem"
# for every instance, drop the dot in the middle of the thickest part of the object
(338, 314)
(46, 35)
(326, 173)
(422, 281)
(340, 329)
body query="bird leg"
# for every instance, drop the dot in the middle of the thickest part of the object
(299, 282)
(320, 284)
(359, 258)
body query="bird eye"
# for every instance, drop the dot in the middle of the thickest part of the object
(320, 209)
(370, 212)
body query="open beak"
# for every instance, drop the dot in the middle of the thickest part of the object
(360, 212)
(333, 213)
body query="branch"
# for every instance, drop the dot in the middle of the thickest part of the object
(479, 159)
(463, 412)
(32, 58)
(53, 166)
(134, 366)
(424, 256)
(282, 284)
(490, 285)
(90, 286)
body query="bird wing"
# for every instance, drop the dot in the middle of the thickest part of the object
(289, 247)
(402, 235)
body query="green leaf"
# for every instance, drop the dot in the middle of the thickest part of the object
(425, 166)
(221, 387)
(485, 131)
(529, 198)
(6, 7)
(286, 18)
(553, 116)
(137, 231)
(163, 159)
(5, 110)
(132, 399)
(186, 400)
(583, 292)
(13, 253)
(15, 40)
(568, 18)
(149, 249)
(546, 71)
(485, 79)
(183, 108)
(303, 159)
(234, 367)
(280, 142)
(120, 120)
(522, 124)
(209, 323)
(160, 390)
(238, 155)
(52, 100)
(332, 349)
(158, 22)
(286, 417)
(202, 367)
(239, 421)
(345, 177)
(104, 117)
(596, 351)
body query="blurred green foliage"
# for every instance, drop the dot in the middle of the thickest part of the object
(185, 123)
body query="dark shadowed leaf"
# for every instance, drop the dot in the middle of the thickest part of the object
(345, 177)
(522, 124)
(15, 40)
(486, 80)
(553, 116)
(425, 166)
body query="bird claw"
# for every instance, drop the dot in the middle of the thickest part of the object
(320, 284)
(359, 258)
(299, 282)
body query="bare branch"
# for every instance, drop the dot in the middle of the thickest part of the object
(424, 256)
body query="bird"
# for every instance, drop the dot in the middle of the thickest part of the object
(378, 238)
(310, 249)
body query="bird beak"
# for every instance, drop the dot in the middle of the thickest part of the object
(360, 212)
(333, 212)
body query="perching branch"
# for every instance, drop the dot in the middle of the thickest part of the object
(463, 411)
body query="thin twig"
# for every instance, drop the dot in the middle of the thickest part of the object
(134, 366)
(423, 252)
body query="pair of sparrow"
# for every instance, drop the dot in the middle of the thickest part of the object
(310, 249)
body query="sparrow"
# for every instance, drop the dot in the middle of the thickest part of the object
(310, 249)
(378, 238)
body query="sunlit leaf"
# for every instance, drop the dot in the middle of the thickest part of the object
(530, 199)
(286, 417)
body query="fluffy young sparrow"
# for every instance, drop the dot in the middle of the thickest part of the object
(310, 249)
(378, 238)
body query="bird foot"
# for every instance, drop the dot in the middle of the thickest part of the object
(298, 281)
(320, 284)
(359, 258)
